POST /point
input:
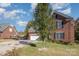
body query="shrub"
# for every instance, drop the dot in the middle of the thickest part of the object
(32, 44)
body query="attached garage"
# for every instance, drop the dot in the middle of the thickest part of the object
(32, 37)
(32, 34)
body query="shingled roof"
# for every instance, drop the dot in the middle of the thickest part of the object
(62, 14)
(3, 27)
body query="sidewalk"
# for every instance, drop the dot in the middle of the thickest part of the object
(5, 46)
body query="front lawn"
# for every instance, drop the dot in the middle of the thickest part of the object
(53, 49)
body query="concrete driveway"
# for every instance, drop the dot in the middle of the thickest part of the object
(5, 46)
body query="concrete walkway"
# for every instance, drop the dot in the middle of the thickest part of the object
(5, 46)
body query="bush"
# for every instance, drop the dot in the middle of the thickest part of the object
(62, 42)
(32, 44)
(57, 41)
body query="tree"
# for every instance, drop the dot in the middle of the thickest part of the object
(43, 20)
(77, 30)
(30, 24)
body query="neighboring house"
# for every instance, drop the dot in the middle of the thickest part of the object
(64, 28)
(7, 31)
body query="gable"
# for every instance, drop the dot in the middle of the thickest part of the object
(10, 28)
(3, 27)
(10, 31)
(59, 15)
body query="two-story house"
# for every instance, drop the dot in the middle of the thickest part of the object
(64, 28)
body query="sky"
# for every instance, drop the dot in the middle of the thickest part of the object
(19, 14)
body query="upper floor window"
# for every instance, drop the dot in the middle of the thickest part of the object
(59, 24)
(10, 29)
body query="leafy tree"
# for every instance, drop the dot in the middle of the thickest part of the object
(43, 20)
(77, 30)
(30, 24)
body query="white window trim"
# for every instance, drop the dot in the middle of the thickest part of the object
(59, 25)
(58, 36)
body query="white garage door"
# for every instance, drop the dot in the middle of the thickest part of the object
(34, 37)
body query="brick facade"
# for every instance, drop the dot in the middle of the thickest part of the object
(6, 34)
(68, 28)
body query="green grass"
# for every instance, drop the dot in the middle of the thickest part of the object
(54, 49)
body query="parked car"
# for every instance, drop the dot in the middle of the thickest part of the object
(28, 42)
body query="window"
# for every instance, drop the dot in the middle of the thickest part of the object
(59, 35)
(10, 29)
(59, 24)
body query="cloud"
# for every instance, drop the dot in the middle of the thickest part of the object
(18, 11)
(33, 5)
(22, 23)
(9, 15)
(2, 10)
(62, 7)
(56, 6)
(13, 14)
(5, 4)
(66, 11)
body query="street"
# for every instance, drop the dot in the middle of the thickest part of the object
(8, 46)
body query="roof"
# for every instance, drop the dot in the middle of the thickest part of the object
(3, 27)
(77, 20)
(64, 15)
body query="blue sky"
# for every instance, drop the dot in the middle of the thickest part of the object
(18, 14)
